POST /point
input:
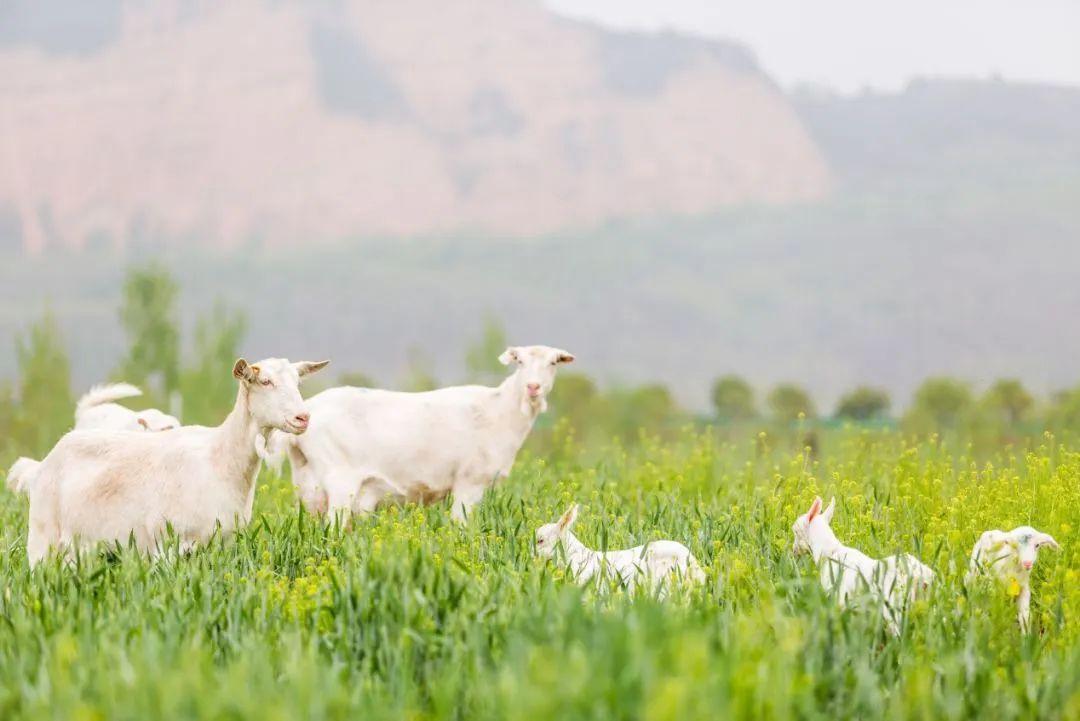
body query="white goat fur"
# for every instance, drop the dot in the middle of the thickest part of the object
(111, 485)
(1010, 556)
(367, 446)
(851, 575)
(97, 411)
(652, 564)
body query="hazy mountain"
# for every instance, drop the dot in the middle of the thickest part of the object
(256, 122)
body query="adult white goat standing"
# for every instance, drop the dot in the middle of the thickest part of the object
(366, 446)
(96, 410)
(1010, 557)
(892, 582)
(654, 563)
(111, 485)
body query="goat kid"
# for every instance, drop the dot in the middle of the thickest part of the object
(652, 564)
(1010, 557)
(849, 574)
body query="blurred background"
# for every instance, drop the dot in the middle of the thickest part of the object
(732, 212)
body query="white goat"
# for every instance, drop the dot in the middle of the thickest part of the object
(366, 446)
(892, 582)
(97, 411)
(654, 563)
(111, 485)
(1010, 557)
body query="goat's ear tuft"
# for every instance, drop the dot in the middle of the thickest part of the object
(242, 371)
(306, 368)
(568, 518)
(510, 355)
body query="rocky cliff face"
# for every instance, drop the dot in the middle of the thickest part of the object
(253, 122)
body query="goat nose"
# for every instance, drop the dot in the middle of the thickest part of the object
(302, 418)
(533, 387)
(1027, 564)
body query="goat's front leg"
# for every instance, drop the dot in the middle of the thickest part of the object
(1023, 605)
(466, 497)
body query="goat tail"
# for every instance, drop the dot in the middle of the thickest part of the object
(105, 393)
(22, 473)
(274, 449)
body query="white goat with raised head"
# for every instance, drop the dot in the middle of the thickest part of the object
(96, 410)
(653, 564)
(366, 446)
(1010, 557)
(111, 485)
(893, 582)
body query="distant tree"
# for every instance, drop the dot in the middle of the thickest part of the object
(1064, 412)
(733, 399)
(650, 407)
(148, 314)
(939, 402)
(482, 357)
(357, 379)
(419, 375)
(46, 407)
(863, 404)
(787, 401)
(1009, 401)
(208, 388)
(574, 397)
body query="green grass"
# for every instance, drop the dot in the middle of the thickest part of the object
(405, 615)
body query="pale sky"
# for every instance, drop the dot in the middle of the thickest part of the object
(848, 44)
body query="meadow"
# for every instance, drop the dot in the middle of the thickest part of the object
(405, 614)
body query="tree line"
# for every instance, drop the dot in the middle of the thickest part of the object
(36, 408)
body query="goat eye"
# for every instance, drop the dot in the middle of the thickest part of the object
(266, 382)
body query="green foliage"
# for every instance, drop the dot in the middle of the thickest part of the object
(149, 317)
(419, 372)
(863, 404)
(940, 404)
(1008, 401)
(482, 357)
(733, 399)
(404, 614)
(46, 406)
(788, 402)
(208, 387)
(357, 379)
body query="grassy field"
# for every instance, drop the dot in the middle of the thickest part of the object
(405, 615)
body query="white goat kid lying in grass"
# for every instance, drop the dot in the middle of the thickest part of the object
(654, 563)
(96, 410)
(366, 446)
(1010, 557)
(111, 485)
(893, 582)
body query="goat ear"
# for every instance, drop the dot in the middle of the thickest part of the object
(1045, 539)
(510, 355)
(829, 510)
(564, 357)
(568, 518)
(815, 508)
(306, 368)
(242, 371)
